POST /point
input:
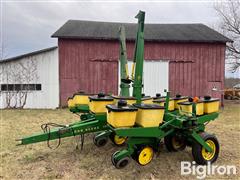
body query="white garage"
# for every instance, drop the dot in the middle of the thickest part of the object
(30, 80)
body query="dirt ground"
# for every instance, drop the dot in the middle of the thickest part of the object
(39, 162)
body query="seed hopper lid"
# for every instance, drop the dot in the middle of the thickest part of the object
(210, 100)
(181, 97)
(161, 97)
(189, 103)
(148, 106)
(115, 108)
(124, 97)
(161, 100)
(100, 98)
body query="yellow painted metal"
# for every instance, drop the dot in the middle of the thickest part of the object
(147, 101)
(80, 99)
(211, 106)
(70, 103)
(170, 104)
(119, 140)
(145, 156)
(149, 117)
(99, 106)
(206, 154)
(185, 108)
(176, 101)
(121, 118)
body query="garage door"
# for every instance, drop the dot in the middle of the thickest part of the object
(155, 76)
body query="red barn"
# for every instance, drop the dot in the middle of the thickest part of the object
(89, 53)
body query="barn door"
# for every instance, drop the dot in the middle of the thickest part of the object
(103, 77)
(155, 76)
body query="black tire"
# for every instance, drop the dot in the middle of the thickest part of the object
(113, 158)
(100, 142)
(197, 149)
(170, 143)
(122, 162)
(112, 138)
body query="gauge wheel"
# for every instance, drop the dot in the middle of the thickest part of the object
(201, 155)
(113, 158)
(121, 163)
(100, 141)
(145, 155)
(174, 143)
(118, 140)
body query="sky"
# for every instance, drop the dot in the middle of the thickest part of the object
(28, 25)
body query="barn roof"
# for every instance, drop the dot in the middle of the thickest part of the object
(28, 54)
(153, 32)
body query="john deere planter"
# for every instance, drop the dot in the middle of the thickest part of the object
(142, 123)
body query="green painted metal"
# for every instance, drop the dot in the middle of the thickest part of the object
(97, 122)
(138, 58)
(124, 153)
(80, 108)
(200, 140)
(157, 132)
(207, 118)
(167, 101)
(123, 64)
(194, 109)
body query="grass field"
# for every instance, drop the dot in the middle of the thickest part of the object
(39, 162)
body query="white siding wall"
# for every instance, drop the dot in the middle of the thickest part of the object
(155, 77)
(47, 76)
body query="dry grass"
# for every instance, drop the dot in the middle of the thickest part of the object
(38, 162)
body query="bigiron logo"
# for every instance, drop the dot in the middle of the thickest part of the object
(201, 171)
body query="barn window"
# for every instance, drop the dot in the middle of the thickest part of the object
(17, 87)
(38, 87)
(4, 87)
(24, 87)
(21, 87)
(32, 87)
(10, 87)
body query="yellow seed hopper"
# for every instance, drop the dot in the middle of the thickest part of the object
(179, 99)
(186, 108)
(162, 101)
(211, 105)
(98, 103)
(121, 115)
(149, 115)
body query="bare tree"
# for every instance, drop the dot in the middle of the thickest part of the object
(229, 13)
(22, 73)
(28, 74)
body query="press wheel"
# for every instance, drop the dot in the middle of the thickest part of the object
(118, 140)
(201, 155)
(145, 155)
